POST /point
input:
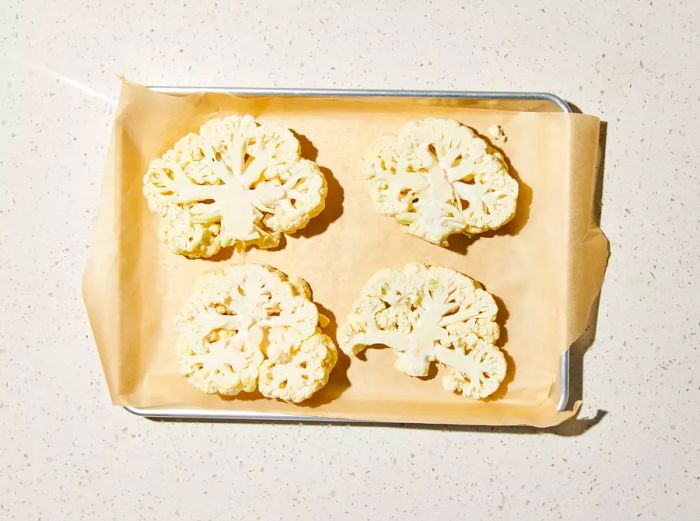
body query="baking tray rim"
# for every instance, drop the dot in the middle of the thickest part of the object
(183, 413)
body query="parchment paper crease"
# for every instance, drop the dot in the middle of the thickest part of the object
(546, 267)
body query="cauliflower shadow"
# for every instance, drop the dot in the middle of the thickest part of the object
(223, 254)
(226, 253)
(460, 243)
(334, 198)
(338, 381)
(432, 372)
(242, 397)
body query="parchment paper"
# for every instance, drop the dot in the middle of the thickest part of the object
(545, 267)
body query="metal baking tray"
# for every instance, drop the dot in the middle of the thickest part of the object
(535, 101)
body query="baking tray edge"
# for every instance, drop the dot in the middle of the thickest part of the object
(175, 413)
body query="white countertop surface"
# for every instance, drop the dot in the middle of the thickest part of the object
(68, 454)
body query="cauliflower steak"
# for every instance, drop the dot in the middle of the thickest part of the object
(238, 182)
(251, 327)
(430, 313)
(436, 177)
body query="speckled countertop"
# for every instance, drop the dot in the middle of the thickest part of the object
(68, 454)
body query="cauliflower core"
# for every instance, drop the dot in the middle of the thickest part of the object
(437, 178)
(238, 182)
(251, 327)
(430, 313)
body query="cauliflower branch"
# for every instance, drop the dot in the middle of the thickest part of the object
(237, 182)
(437, 178)
(250, 326)
(425, 314)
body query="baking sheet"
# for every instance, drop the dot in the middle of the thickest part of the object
(545, 267)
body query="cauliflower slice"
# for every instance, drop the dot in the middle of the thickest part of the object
(430, 313)
(238, 182)
(251, 326)
(436, 177)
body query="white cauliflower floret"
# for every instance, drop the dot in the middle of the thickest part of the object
(480, 373)
(436, 177)
(296, 374)
(425, 314)
(251, 326)
(237, 182)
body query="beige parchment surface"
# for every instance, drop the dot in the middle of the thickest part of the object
(545, 267)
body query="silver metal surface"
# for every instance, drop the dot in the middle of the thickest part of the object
(377, 93)
(184, 413)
